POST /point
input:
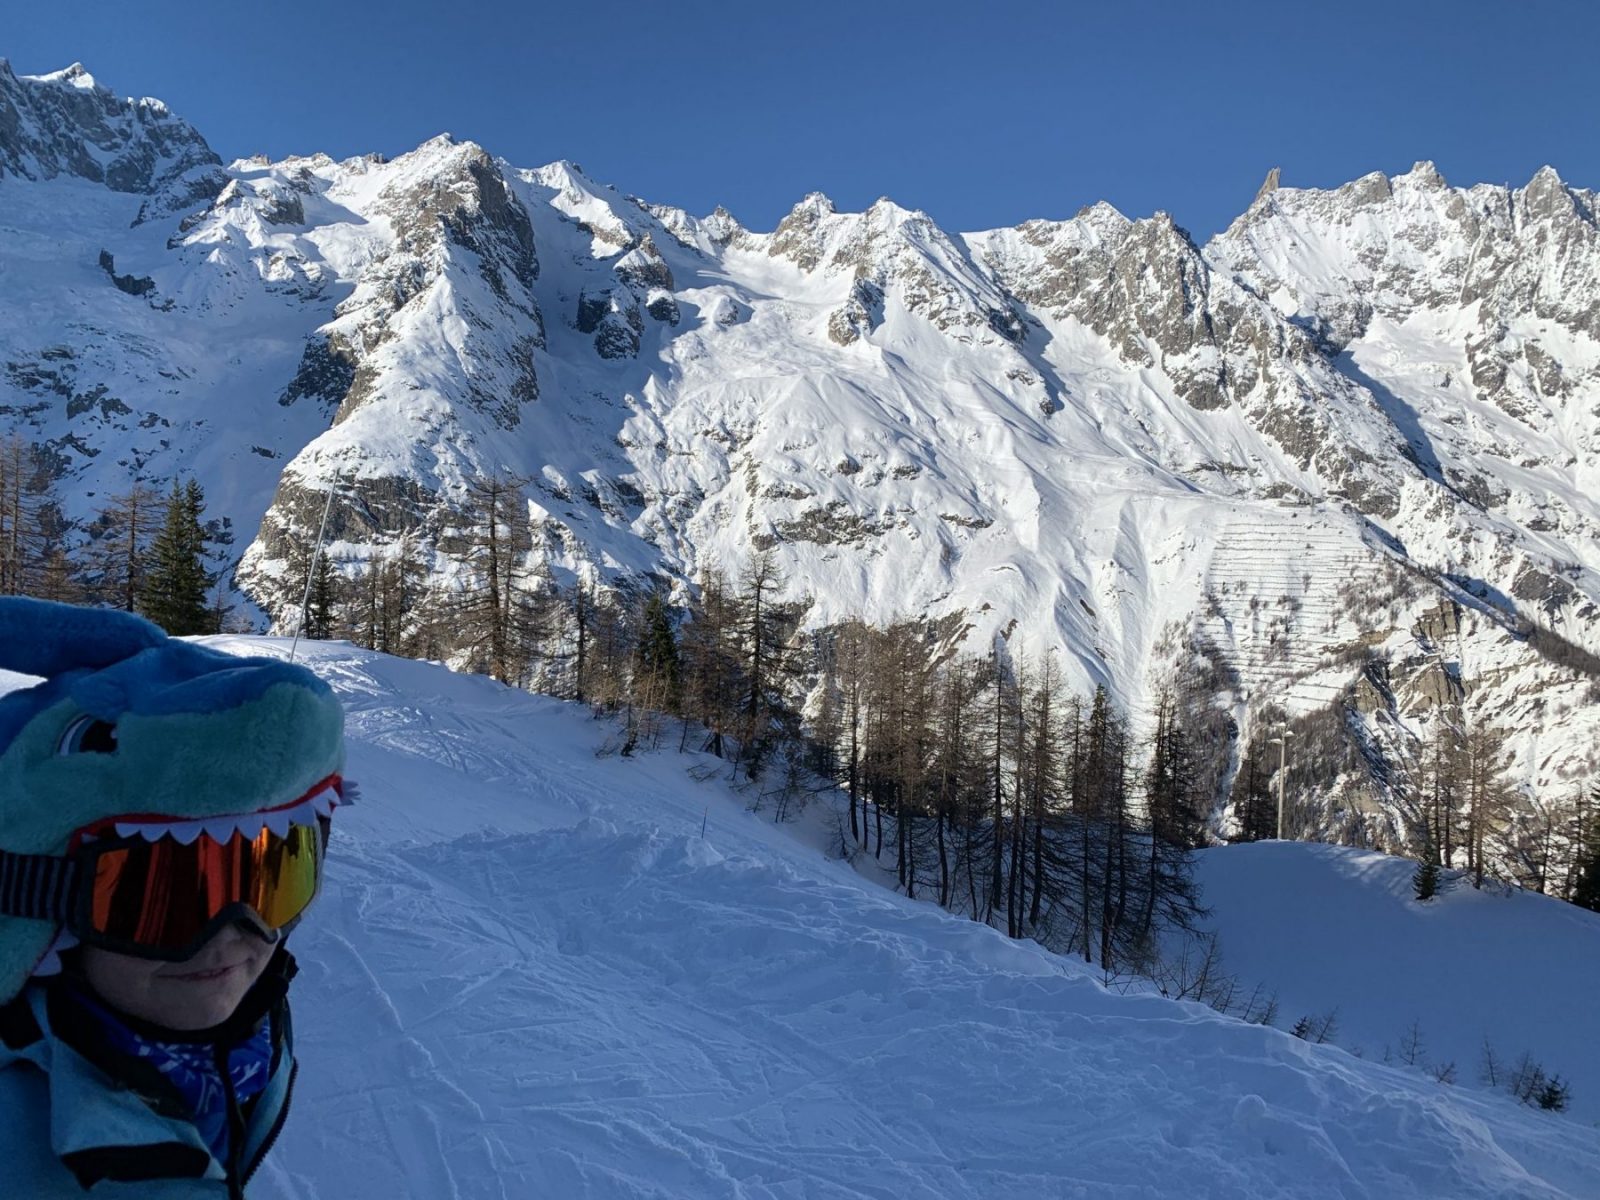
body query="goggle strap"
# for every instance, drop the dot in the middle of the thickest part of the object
(38, 886)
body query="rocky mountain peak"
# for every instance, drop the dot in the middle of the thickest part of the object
(798, 236)
(1423, 175)
(77, 76)
(722, 227)
(65, 123)
(1268, 186)
(1547, 197)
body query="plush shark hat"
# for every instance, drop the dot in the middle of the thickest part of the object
(128, 721)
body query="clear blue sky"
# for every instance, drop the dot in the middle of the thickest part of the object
(983, 113)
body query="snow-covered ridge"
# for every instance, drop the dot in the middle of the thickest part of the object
(1291, 444)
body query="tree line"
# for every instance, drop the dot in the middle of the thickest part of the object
(981, 781)
(1005, 796)
(143, 551)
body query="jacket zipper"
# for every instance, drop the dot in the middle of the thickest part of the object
(235, 1124)
(277, 1127)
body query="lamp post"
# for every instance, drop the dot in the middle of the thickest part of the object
(1282, 743)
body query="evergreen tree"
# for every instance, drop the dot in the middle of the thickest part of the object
(177, 584)
(1425, 879)
(1174, 808)
(317, 620)
(656, 663)
(1255, 806)
(489, 611)
(1586, 888)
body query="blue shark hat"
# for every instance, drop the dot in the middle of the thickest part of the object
(174, 738)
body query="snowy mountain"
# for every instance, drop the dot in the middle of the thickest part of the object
(1346, 452)
(537, 971)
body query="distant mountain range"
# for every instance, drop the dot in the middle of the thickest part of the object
(1347, 452)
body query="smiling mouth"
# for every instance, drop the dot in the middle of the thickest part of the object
(205, 976)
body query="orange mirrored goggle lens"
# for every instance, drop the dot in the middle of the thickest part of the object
(163, 894)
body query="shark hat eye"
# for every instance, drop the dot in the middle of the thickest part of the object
(88, 735)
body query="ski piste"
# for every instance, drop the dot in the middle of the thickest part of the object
(543, 969)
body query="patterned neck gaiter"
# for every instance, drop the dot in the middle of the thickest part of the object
(192, 1068)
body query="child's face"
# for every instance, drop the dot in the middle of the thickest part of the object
(196, 994)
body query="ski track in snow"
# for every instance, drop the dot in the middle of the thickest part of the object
(529, 976)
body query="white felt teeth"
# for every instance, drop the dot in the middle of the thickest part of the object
(220, 829)
(50, 964)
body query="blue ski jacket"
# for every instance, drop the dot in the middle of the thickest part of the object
(82, 1119)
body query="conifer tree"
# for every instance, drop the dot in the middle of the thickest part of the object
(851, 656)
(1253, 802)
(318, 619)
(488, 613)
(1444, 784)
(1425, 879)
(119, 554)
(16, 516)
(657, 658)
(709, 660)
(1488, 798)
(33, 529)
(1174, 809)
(1586, 887)
(177, 582)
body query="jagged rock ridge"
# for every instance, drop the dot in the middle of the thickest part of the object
(1285, 449)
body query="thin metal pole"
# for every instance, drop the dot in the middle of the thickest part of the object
(311, 571)
(1283, 748)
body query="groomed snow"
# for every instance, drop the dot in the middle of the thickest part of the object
(530, 975)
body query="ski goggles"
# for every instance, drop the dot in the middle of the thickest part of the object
(161, 889)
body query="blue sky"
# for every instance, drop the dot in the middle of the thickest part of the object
(983, 114)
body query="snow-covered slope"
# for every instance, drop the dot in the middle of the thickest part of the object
(1334, 931)
(1346, 451)
(530, 974)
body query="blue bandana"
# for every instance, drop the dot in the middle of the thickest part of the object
(191, 1067)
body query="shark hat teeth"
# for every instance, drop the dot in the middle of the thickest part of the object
(305, 811)
(50, 964)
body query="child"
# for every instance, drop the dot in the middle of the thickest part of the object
(164, 811)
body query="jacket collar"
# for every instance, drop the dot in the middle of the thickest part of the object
(108, 1119)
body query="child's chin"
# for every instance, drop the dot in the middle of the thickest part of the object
(203, 1005)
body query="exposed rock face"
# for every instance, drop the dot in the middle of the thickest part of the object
(1147, 290)
(800, 236)
(327, 369)
(448, 199)
(643, 268)
(861, 314)
(132, 285)
(67, 124)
